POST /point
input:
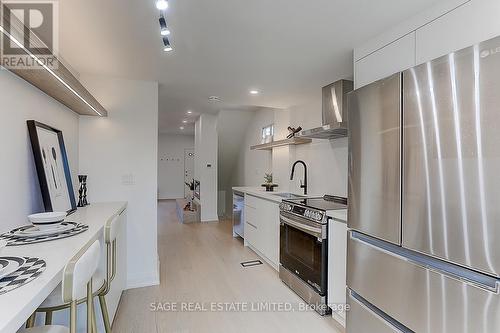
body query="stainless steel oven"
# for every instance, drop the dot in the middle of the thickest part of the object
(303, 253)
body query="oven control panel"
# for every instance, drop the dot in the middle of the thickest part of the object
(286, 207)
(308, 213)
(313, 215)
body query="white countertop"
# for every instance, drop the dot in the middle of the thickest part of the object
(338, 215)
(260, 192)
(17, 305)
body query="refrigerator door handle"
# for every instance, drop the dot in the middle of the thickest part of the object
(469, 276)
(388, 321)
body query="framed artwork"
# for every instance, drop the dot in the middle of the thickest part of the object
(52, 167)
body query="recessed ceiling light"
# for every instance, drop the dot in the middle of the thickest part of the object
(189, 112)
(168, 48)
(254, 92)
(185, 121)
(214, 99)
(161, 4)
(182, 127)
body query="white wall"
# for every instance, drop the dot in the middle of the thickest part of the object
(205, 161)
(231, 124)
(326, 159)
(171, 167)
(119, 154)
(19, 189)
(251, 165)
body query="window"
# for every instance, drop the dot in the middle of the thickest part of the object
(267, 133)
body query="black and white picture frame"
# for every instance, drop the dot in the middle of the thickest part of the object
(52, 167)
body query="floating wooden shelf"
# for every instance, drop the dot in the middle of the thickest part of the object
(55, 79)
(287, 142)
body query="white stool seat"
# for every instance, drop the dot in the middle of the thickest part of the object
(55, 297)
(46, 329)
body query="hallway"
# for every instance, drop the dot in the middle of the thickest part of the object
(200, 269)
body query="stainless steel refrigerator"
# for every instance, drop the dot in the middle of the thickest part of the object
(424, 198)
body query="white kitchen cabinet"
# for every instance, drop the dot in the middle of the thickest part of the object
(269, 214)
(397, 56)
(250, 225)
(337, 266)
(262, 228)
(473, 22)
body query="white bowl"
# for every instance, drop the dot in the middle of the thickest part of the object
(47, 220)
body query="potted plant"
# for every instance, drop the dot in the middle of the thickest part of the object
(268, 182)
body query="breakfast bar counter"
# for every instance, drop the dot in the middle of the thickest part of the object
(17, 305)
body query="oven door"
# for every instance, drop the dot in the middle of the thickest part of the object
(303, 250)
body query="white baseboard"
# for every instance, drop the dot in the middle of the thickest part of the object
(211, 219)
(144, 279)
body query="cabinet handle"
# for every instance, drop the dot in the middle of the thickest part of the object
(252, 225)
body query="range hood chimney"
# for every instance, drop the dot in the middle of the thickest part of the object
(334, 112)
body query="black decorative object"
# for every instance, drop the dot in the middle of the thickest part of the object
(293, 131)
(82, 191)
(52, 167)
(269, 187)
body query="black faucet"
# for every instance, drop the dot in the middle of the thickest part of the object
(302, 185)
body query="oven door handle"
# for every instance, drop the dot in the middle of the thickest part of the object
(316, 232)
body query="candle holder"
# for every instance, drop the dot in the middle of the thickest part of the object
(82, 191)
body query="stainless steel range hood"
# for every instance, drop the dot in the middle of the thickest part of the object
(334, 112)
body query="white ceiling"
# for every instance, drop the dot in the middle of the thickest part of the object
(287, 49)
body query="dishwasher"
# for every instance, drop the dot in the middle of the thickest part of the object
(238, 214)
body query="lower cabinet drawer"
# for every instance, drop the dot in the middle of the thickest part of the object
(421, 293)
(250, 233)
(251, 201)
(362, 319)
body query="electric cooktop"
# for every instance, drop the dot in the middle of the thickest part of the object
(325, 203)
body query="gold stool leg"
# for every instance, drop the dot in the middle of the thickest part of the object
(31, 321)
(94, 319)
(72, 320)
(105, 314)
(89, 307)
(48, 318)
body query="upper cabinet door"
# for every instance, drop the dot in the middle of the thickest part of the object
(471, 23)
(451, 158)
(395, 57)
(374, 159)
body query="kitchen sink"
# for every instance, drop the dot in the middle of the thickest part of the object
(288, 195)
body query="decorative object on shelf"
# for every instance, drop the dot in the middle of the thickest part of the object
(268, 178)
(82, 191)
(52, 167)
(293, 131)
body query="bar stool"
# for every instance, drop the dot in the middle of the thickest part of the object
(110, 233)
(102, 281)
(77, 273)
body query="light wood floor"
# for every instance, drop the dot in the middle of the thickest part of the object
(201, 263)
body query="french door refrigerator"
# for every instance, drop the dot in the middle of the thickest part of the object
(424, 198)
